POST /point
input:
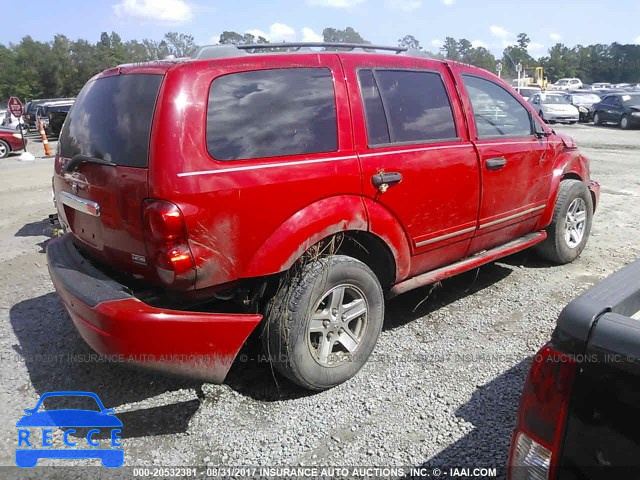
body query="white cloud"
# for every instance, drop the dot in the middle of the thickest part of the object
(448, 2)
(556, 37)
(500, 32)
(334, 3)
(278, 32)
(164, 11)
(214, 40)
(436, 42)
(404, 5)
(308, 35)
(637, 40)
(479, 43)
(537, 50)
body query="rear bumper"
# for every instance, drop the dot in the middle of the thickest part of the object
(561, 117)
(117, 324)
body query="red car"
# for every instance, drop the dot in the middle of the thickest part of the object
(297, 191)
(10, 141)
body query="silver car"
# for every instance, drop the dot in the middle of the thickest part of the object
(555, 107)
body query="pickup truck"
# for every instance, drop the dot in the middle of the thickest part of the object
(578, 416)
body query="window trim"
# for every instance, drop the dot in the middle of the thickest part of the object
(280, 156)
(491, 137)
(364, 109)
(374, 146)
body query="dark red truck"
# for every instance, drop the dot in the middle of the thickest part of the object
(578, 417)
(302, 186)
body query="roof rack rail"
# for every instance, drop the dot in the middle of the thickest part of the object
(211, 52)
(298, 45)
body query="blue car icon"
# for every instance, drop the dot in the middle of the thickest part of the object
(28, 452)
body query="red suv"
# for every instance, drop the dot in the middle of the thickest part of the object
(294, 190)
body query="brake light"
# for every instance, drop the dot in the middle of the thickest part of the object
(542, 416)
(167, 246)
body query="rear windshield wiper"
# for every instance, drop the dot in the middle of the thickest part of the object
(79, 159)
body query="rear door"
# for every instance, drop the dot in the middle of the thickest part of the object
(514, 165)
(100, 199)
(407, 132)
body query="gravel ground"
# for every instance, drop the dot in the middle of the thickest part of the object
(441, 390)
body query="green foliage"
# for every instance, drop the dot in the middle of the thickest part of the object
(59, 68)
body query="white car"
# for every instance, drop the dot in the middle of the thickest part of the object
(8, 120)
(528, 92)
(554, 108)
(567, 84)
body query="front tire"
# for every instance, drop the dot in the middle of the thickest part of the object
(596, 119)
(4, 149)
(322, 326)
(624, 123)
(569, 230)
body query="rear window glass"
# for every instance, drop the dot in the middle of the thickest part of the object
(111, 120)
(268, 113)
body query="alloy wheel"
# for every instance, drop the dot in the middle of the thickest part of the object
(575, 223)
(338, 325)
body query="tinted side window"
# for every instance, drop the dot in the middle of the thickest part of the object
(495, 110)
(377, 131)
(416, 105)
(268, 113)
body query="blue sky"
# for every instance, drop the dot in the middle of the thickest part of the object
(491, 23)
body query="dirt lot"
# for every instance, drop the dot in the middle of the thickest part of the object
(442, 389)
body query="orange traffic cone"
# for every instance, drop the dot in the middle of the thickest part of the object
(45, 142)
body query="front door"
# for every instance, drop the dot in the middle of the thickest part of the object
(515, 168)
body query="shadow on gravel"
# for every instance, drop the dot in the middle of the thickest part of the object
(57, 358)
(492, 411)
(251, 374)
(530, 259)
(425, 300)
(37, 229)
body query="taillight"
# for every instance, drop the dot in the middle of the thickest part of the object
(541, 417)
(166, 241)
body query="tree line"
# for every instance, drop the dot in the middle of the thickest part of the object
(59, 68)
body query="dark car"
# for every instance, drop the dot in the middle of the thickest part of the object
(580, 403)
(294, 185)
(10, 141)
(584, 101)
(607, 91)
(619, 108)
(32, 106)
(53, 115)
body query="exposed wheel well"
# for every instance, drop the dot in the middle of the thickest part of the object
(373, 252)
(575, 176)
(363, 246)
(570, 176)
